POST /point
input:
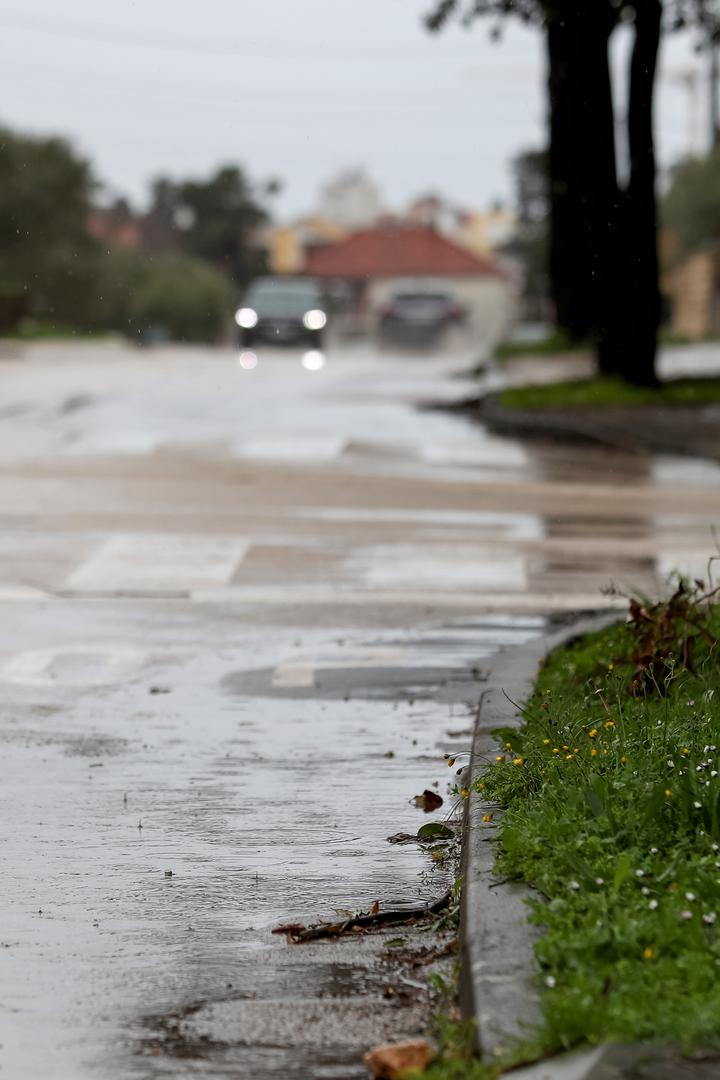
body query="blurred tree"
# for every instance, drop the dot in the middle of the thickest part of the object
(180, 297)
(45, 192)
(171, 295)
(603, 250)
(215, 219)
(691, 208)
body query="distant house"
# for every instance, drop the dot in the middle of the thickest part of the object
(372, 264)
(287, 245)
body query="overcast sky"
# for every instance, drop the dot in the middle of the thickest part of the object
(297, 89)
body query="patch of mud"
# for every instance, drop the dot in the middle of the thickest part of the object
(94, 746)
(74, 403)
(312, 1018)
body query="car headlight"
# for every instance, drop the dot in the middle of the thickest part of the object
(246, 318)
(314, 319)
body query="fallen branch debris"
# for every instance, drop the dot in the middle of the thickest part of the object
(297, 934)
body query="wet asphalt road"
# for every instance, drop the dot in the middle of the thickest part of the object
(245, 613)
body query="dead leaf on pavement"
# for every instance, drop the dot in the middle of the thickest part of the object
(402, 838)
(399, 1059)
(428, 801)
(375, 908)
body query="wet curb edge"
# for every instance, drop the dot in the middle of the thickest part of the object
(498, 969)
(632, 430)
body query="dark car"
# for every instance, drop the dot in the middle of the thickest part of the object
(282, 311)
(419, 316)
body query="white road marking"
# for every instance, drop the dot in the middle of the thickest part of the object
(160, 561)
(297, 448)
(297, 675)
(74, 665)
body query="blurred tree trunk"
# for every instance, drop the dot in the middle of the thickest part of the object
(603, 260)
(627, 341)
(583, 181)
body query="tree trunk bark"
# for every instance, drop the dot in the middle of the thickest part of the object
(627, 341)
(583, 183)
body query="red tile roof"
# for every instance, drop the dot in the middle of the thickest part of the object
(396, 251)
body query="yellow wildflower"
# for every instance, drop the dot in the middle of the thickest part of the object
(500, 757)
(568, 757)
(546, 742)
(593, 752)
(555, 750)
(685, 751)
(648, 953)
(464, 792)
(668, 793)
(487, 817)
(592, 733)
(609, 723)
(518, 761)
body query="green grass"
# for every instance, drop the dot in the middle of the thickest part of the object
(605, 392)
(612, 813)
(554, 342)
(35, 330)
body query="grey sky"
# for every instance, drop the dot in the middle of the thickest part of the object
(297, 89)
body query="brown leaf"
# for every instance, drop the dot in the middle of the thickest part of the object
(399, 1059)
(428, 801)
(375, 908)
(289, 928)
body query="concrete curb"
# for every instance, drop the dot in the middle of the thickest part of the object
(634, 430)
(497, 986)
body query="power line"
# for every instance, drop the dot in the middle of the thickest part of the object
(288, 105)
(171, 41)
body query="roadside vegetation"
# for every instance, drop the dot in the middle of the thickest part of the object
(551, 344)
(612, 813)
(606, 802)
(607, 392)
(173, 271)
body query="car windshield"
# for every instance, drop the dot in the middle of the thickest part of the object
(270, 298)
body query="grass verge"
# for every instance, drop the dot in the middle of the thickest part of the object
(35, 330)
(611, 811)
(602, 393)
(553, 343)
(611, 793)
